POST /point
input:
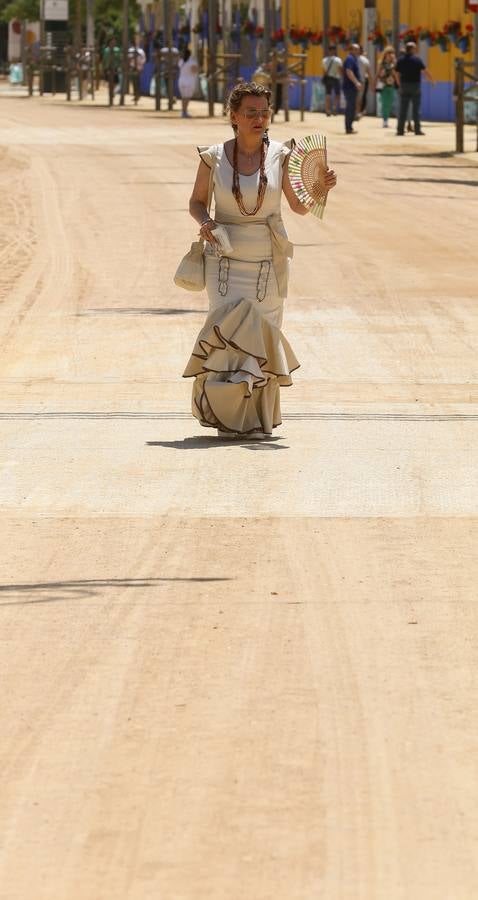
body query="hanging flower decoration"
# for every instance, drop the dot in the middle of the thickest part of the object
(378, 39)
(453, 29)
(300, 36)
(248, 27)
(316, 38)
(452, 33)
(411, 34)
(464, 40)
(337, 35)
(443, 41)
(277, 37)
(459, 37)
(259, 32)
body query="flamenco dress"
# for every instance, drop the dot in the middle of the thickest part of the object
(241, 359)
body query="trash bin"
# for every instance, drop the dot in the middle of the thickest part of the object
(56, 80)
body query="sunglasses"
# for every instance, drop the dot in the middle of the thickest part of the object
(251, 114)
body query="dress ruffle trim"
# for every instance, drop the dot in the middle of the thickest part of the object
(240, 361)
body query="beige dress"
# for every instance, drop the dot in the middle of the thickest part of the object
(241, 358)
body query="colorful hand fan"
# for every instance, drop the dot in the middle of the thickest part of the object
(307, 168)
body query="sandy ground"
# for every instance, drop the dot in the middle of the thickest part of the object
(235, 672)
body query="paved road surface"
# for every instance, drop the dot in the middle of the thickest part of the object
(246, 671)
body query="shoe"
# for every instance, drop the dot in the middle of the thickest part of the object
(352, 131)
(226, 435)
(400, 134)
(255, 436)
(410, 127)
(419, 133)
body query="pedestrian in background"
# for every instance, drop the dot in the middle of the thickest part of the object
(84, 63)
(366, 78)
(332, 65)
(387, 82)
(136, 61)
(409, 70)
(111, 63)
(188, 79)
(351, 85)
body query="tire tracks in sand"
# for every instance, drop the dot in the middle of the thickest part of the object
(49, 284)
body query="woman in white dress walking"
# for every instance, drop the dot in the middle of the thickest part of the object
(188, 80)
(241, 358)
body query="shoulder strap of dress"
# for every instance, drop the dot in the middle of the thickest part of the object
(206, 154)
(287, 148)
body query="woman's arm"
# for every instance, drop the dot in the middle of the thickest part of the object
(198, 203)
(198, 199)
(293, 201)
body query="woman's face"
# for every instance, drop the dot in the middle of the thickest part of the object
(252, 117)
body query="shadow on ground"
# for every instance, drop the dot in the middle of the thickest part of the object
(209, 443)
(140, 311)
(433, 181)
(57, 591)
(433, 154)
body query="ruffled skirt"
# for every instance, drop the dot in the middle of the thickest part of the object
(240, 358)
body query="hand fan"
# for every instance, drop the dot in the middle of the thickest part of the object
(307, 168)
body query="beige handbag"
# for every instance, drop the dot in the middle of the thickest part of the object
(190, 273)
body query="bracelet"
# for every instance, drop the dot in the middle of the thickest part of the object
(206, 222)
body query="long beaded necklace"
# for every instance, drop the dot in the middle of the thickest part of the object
(236, 185)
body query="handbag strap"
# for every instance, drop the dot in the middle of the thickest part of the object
(210, 190)
(211, 183)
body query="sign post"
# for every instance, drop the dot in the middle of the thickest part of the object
(125, 48)
(55, 11)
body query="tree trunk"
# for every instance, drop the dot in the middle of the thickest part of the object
(396, 24)
(90, 24)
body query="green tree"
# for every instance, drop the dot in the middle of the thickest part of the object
(25, 10)
(109, 18)
(108, 14)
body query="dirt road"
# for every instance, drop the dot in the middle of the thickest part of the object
(238, 672)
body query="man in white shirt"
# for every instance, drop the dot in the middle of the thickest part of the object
(366, 76)
(332, 65)
(136, 61)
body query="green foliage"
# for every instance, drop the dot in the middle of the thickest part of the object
(108, 14)
(28, 10)
(109, 18)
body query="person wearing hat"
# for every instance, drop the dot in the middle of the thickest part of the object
(409, 70)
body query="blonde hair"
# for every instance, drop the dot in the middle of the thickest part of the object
(245, 89)
(387, 50)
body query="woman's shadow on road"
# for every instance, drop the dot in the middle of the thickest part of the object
(210, 443)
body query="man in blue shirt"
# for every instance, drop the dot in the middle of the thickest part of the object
(409, 70)
(351, 84)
